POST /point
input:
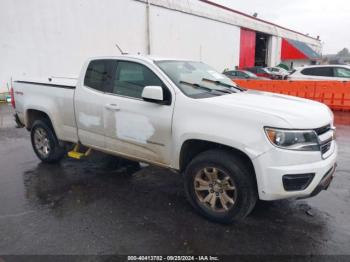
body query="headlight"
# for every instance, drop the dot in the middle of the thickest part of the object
(303, 140)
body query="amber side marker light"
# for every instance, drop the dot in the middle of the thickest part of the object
(271, 134)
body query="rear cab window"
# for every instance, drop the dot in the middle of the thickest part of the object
(99, 74)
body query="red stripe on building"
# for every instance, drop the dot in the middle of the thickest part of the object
(289, 52)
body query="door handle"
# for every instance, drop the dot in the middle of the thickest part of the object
(112, 107)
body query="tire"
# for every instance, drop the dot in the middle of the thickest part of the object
(45, 143)
(234, 180)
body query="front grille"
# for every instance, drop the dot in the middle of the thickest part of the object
(323, 129)
(325, 142)
(326, 147)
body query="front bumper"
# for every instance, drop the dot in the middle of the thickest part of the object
(274, 164)
(325, 181)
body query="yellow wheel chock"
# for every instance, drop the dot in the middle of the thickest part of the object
(78, 155)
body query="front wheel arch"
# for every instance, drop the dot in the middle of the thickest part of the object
(193, 147)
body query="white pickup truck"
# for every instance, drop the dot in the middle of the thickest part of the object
(233, 146)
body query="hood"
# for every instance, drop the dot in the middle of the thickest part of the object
(297, 112)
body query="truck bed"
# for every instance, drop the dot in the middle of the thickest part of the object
(54, 98)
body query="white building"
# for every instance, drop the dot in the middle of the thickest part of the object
(41, 38)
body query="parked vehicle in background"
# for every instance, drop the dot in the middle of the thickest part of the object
(242, 74)
(280, 73)
(321, 72)
(232, 145)
(260, 71)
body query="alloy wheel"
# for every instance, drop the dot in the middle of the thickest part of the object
(41, 142)
(215, 189)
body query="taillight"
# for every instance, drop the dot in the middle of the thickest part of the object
(12, 93)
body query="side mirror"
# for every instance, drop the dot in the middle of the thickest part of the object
(153, 94)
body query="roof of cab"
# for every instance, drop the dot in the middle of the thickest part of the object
(148, 58)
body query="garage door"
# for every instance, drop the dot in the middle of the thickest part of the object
(247, 48)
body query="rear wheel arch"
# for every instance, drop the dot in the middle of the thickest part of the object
(33, 114)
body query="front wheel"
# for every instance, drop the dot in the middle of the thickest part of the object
(220, 186)
(45, 143)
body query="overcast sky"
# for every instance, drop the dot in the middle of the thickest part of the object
(330, 19)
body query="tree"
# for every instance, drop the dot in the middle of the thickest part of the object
(343, 52)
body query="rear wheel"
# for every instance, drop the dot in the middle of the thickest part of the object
(220, 186)
(45, 143)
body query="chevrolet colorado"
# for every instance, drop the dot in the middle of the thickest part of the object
(233, 146)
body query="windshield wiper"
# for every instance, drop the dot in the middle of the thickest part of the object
(196, 86)
(211, 90)
(217, 82)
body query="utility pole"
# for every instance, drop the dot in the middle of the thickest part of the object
(148, 26)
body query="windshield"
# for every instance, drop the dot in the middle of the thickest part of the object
(197, 80)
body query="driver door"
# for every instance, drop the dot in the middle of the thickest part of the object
(134, 127)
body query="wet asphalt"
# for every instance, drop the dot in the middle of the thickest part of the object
(91, 207)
